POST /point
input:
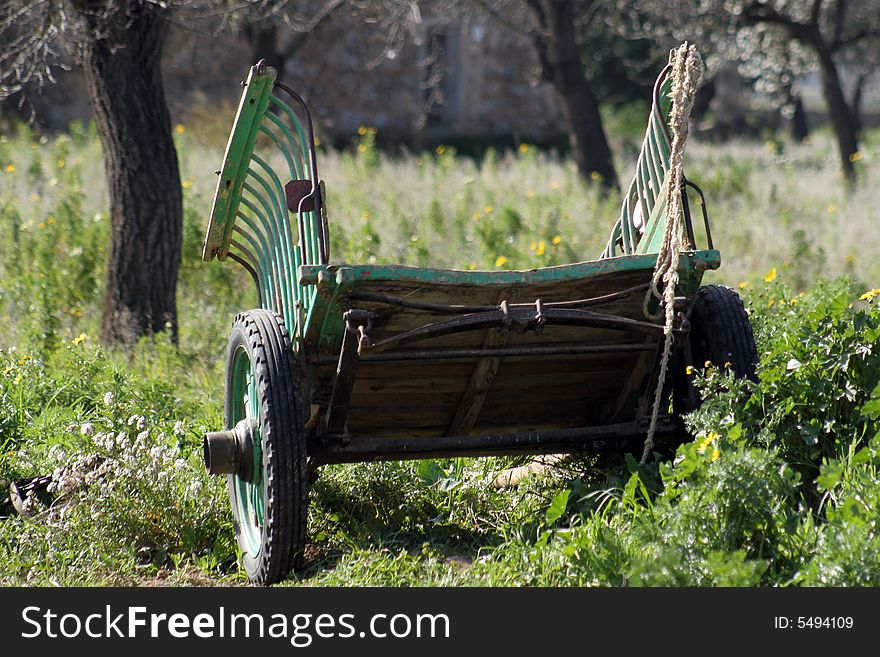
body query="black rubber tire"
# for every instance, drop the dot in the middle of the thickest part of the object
(720, 334)
(263, 336)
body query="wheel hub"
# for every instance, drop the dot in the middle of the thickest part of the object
(231, 451)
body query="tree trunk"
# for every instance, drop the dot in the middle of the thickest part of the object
(838, 113)
(857, 98)
(559, 55)
(263, 39)
(800, 129)
(126, 92)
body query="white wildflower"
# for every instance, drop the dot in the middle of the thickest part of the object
(108, 398)
(178, 428)
(104, 440)
(87, 428)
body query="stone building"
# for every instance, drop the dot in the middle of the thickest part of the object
(462, 80)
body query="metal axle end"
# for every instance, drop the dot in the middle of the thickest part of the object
(231, 451)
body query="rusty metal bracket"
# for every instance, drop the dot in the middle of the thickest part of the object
(359, 323)
(520, 318)
(371, 297)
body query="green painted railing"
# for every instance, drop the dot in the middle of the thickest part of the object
(640, 226)
(268, 213)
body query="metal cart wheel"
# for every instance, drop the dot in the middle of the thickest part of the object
(263, 448)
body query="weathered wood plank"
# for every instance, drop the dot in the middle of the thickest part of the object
(481, 378)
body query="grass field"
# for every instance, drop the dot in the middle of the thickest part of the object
(778, 487)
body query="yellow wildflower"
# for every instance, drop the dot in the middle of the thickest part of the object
(180, 128)
(440, 149)
(362, 148)
(557, 239)
(541, 248)
(79, 339)
(362, 130)
(716, 453)
(10, 168)
(523, 148)
(770, 276)
(831, 209)
(689, 370)
(475, 216)
(51, 221)
(488, 209)
(186, 184)
(500, 261)
(710, 438)
(595, 175)
(743, 285)
(855, 157)
(533, 246)
(530, 194)
(870, 294)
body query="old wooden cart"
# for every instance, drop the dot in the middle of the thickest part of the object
(351, 363)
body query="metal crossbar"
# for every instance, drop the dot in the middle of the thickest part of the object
(268, 212)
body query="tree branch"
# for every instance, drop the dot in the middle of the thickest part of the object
(757, 12)
(493, 11)
(814, 12)
(866, 33)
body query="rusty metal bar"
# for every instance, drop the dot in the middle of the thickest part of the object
(507, 352)
(517, 318)
(686, 212)
(699, 191)
(370, 297)
(343, 384)
(326, 449)
(323, 244)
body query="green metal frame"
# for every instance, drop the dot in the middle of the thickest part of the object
(644, 198)
(250, 219)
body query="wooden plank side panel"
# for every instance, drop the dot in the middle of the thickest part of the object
(583, 395)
